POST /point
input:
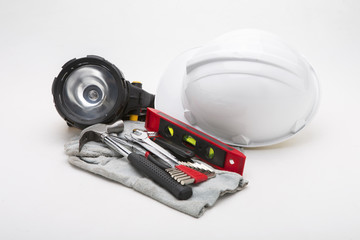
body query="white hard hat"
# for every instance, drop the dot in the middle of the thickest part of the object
(247, 88)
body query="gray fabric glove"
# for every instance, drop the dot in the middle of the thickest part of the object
(98, 158)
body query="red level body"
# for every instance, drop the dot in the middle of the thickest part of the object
(206, 148)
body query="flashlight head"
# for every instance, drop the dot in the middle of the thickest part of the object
(91, 90)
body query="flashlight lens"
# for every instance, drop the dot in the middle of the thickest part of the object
(90, 92)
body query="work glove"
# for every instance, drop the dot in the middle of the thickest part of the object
(99, 159)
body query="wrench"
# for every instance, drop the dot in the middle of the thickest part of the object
(135, 147)
(142, 137)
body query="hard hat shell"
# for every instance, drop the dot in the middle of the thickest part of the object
(247, 88)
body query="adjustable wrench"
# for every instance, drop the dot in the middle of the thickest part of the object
(143, 139)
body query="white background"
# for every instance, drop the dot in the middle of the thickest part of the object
(305, 188)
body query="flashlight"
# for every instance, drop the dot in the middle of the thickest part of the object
(92, 90)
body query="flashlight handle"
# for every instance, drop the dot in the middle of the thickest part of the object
(160, 176)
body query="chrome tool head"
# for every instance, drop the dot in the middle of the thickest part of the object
(98, 131)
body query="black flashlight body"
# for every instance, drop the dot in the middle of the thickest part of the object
(92, 90)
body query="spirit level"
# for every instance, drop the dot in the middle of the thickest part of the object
(208, 149)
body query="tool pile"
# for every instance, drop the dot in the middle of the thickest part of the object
(159, 163)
